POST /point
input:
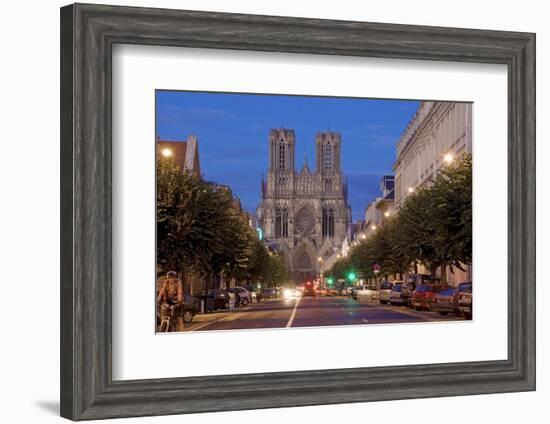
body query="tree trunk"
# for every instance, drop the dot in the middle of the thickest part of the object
(443, 273)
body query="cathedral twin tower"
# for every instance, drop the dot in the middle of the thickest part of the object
(304, 214)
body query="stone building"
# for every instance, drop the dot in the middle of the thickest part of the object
(305, 214)
(382, 207)
(438, 133)
(185, 153)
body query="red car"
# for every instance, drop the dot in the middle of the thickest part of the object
(309, 290)
(424, 295)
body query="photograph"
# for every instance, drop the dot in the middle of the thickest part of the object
(288, 211)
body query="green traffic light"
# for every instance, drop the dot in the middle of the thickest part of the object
(330, 281)
(351, 276)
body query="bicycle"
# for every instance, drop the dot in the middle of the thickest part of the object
(166, 318)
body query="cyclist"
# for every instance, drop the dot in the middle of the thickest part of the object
(171, 293)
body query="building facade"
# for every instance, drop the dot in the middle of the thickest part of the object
(437, 134)
(382, 207)
(304, 214)
(185, 153)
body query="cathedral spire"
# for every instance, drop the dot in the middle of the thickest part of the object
(305, 168)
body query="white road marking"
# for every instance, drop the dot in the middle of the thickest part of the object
(204, 324)
(365, 320)
(291, 319)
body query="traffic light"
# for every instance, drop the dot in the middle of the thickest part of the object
(330, 281)
(351, 276)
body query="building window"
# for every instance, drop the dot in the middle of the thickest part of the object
(327, 155)
(331, 223)
(278, 223)
(281, 154)
(328, 186)
(328, 223)
(284, 222)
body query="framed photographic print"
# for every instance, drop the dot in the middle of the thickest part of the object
(307, 211)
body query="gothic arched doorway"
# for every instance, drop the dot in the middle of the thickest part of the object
(305, 268)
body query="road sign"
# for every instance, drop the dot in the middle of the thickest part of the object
(376, 268)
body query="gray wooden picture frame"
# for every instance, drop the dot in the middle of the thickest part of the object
(88, 33)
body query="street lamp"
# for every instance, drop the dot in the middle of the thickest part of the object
(448, 158)
(166, 152)
(373, 227)
(387, 213)
(411, 189)
(363, 236)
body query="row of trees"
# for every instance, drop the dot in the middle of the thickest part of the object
(432, 228)
(202, 230)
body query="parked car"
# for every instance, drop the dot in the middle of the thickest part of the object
(396, 297)
(215, 299)
(384, 291)
(424, 294)
(411, 281)
(368, 292)
(444, 301)
(255, 293)
(270, 292)
(465, 302)
(243, 295)
(190, 309)
(447, 300)
(348, 291)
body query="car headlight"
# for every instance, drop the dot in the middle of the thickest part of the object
(288, 293)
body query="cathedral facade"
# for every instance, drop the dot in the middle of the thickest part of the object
(305, 214)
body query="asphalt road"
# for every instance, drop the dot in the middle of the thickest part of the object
(310, 312)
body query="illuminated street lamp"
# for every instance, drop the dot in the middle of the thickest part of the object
(373, 227)
(363, 236)
(166, 152)
(448, 158)
(387, 213)
(411, 189)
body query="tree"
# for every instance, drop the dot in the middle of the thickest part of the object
(433, 227)
(393, 257)
(201, 229)
(436, 221)
(198, 226)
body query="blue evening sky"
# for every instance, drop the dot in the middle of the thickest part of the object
(233, 130)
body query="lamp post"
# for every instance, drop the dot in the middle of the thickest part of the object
(448, 158)
(320, 268)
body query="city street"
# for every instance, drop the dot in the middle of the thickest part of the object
(310, 312)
